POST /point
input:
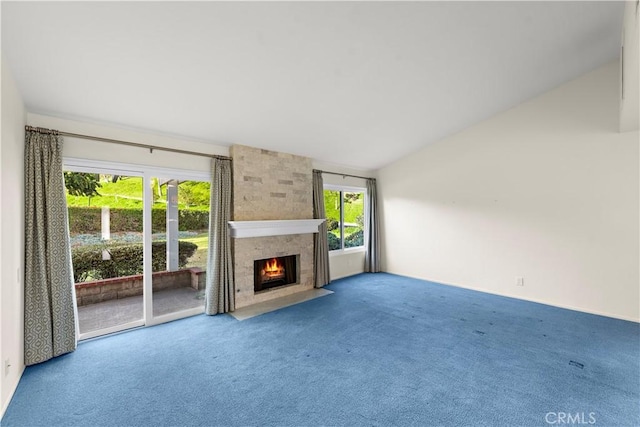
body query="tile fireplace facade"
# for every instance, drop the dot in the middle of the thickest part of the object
(270, 186)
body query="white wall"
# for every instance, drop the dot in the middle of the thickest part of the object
(346, 264)
(351, 262)
(11, 237)
(547, 190)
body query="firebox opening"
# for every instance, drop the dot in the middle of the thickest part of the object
(272, 272)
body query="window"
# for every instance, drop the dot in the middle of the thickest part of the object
(345, 217)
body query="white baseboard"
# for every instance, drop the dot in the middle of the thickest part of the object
(13, 387)
(539, 301)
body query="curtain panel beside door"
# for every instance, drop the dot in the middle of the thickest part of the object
(49, 297)
(219, 291)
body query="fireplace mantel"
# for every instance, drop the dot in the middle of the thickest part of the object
(241, 229)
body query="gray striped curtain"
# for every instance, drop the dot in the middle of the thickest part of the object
(219, 291)
(320, 241)
(372, 241)
(49, 296)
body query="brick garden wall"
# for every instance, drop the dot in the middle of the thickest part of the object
(128, 286)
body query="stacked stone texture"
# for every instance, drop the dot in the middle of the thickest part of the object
(270, 186)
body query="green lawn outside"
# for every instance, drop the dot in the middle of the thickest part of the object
(127, 193)
(199, 258)
(352, 209)
(202, 240)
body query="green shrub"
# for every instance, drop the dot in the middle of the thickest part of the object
(334, 242)
(126, 260)
(354, 239)
(190, 220)
(332, 224)
(83, 220)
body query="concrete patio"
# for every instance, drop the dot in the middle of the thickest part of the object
(115, 312)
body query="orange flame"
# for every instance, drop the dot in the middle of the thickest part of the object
(273, 268)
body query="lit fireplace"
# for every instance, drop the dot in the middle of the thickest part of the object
(273, 272)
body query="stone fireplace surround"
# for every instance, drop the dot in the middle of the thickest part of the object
(270, 186)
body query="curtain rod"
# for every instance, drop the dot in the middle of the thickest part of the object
(342, 174)
(130, 144)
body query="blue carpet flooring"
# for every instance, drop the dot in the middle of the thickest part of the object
(382, 350)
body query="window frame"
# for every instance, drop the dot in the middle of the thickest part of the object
(347, 189)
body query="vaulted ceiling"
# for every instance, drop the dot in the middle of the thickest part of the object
(359, 84)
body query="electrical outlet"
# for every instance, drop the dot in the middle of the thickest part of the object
(519, 281)
(7, 365)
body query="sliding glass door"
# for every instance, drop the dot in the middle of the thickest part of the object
(106, 228)
(139, 245)
(180, 221)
